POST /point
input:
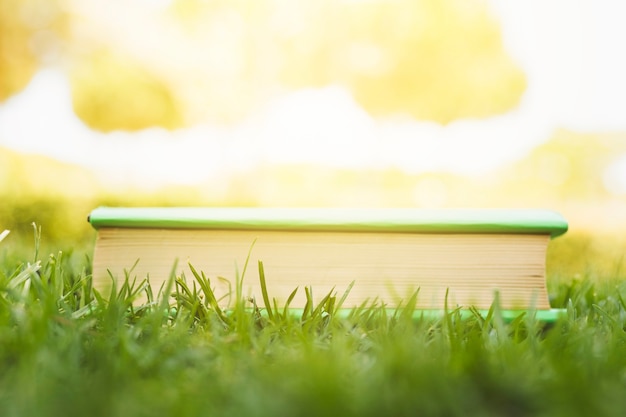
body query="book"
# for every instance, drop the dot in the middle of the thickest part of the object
(453, 257)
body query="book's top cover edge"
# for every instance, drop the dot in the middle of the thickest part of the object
(514, 221)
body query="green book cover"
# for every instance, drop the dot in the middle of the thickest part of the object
(527, 221)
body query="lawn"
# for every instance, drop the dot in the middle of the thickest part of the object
(66, 350)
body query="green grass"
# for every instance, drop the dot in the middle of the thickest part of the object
(66, 350)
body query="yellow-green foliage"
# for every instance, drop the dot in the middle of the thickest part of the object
(112, 91)
(45, 191)
(435, 60)
(28, 28)
(584, 255)
(411, 57)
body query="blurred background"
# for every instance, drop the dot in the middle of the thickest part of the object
(364, 103)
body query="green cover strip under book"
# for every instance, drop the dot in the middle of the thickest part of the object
(528, 221)
(545, 316)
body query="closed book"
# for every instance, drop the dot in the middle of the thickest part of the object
(461, 257)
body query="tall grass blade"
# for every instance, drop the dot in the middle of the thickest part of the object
(266, 298)
(24, 275)
(239, 278)
(289, 300)
(211, 301)
(308, 304)
(344, 296)
(37, 232)
(320, 306)
(164, 303)
(408, 310)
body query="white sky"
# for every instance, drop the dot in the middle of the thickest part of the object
(571, 52)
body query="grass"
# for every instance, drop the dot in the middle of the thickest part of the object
(66, 350)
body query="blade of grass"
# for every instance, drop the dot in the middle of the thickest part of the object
(239, 278)
(407, 312)
(289, 300)
(316, 312)
(164, 295)
(209, 295)
(24, 275)
(266, 298)
(344, 296)
(308, 304)
(37, 231)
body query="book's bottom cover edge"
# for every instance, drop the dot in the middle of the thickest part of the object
(546, 316)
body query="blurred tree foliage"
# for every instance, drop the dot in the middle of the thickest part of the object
(570, 166)
(55, 195)
(432, 59)
(199, 60)
(30, 35)
(111, 92)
